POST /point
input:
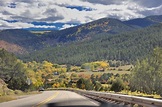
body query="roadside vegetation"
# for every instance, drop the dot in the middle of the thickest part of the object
(143, 78)
(16, 94)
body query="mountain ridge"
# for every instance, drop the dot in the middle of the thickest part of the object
(144, 22)
(32, 42)
(127, 47)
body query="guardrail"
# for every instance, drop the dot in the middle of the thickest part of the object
(126, 99)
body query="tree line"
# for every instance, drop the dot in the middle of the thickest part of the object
(145, 77)
(126, 47)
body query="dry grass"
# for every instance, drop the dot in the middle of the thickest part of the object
(100, 73)
(7, 98)
(40, 32)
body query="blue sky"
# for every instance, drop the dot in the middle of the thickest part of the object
(62, 14)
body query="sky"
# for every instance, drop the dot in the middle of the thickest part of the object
(62, 14)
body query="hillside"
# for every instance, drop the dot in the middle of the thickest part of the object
(87, 31)
(145, 22)
(11, 47)
(126, 46)
(32, 41)
(24, 39)
(15, 40)
(16, 35)
(18, 38)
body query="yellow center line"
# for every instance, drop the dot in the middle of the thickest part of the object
(46, 100)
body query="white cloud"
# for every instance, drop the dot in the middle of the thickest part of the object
(51, 11)
(44, 26)
(67, 26)
(16, 25)
(19, 25)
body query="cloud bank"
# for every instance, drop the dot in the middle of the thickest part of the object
(22, 13)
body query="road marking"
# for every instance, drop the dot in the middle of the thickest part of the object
(90, 100)
(46, 100)
(95, 103)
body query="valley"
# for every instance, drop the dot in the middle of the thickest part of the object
(107, 38)
(103, 55)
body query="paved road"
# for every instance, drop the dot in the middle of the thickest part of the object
(52, 99)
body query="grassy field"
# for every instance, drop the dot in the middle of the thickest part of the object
(39, 32)
(89, 73)
(120, 70)
(100, 73)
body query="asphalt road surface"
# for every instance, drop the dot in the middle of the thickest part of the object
(53, 99)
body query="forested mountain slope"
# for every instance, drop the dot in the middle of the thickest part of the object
(20, 38)
(23, 41)
(127, 46)
(87, 31)
(11, 47)
(104, 25)
(145, 22)
(32, 42)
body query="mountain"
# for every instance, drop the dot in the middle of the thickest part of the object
(127, 47)
(16, 35)
(29, 41)
(87, 31)
(19, 38)
(145, 22)
(32, 41)
(156, 18)
(13, 48)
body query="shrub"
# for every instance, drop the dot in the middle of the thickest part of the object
(10, 92)
(18, 92)
(117, 85)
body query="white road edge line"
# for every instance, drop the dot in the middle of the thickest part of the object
(92, 101)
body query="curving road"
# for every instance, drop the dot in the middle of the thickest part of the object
(53, 99)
